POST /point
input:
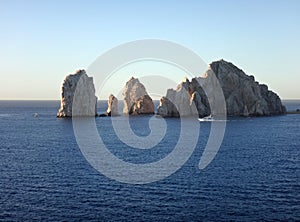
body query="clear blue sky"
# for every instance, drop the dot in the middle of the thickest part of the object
(42, 41)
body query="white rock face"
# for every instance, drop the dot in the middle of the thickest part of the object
(81, 86)
(112, 106)
(136, 99)
(177, 102)
(243, 96)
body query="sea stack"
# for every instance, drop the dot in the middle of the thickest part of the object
(112, 106)
(243, 95)
(81, 86)
(136, 99)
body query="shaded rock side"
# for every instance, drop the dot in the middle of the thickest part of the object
(112, 106)
(86, 101)
(243, 95)
(136, 99)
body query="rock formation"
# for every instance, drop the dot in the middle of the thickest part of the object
(112, 106)
(136, 99)
(167, 108)
(86, 101)
(177, 102)
(243, 95)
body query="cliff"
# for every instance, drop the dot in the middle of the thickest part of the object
(86, 101)
(243, 95)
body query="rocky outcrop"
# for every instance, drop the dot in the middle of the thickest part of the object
(178, 102)
(82, 86)
(136, 99)
(143, 105)
(243, 95)
(167, 108)
(112, 106)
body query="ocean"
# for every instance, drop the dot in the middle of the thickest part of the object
(45, 177)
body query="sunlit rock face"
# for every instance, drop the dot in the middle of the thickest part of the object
(78, 96)
(143, 105)
(136, 99)
(243, 95)
(177, 102)
(112, 106)
(167, 108)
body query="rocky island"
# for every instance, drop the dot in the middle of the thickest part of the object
(136, 99)
(85, 95)
(243, 95)
(112, 106)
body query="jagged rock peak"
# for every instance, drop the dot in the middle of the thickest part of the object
(222, 67)
(86, 100)
(136, 98)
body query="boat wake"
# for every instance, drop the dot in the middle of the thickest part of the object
(210, 118)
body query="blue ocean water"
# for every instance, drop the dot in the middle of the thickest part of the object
(44, 176)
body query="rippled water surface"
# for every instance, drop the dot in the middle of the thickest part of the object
(44, 176)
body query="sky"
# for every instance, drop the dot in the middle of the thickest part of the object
(43, 41)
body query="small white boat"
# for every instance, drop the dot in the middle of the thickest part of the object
(206, 119)
(36, 115)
